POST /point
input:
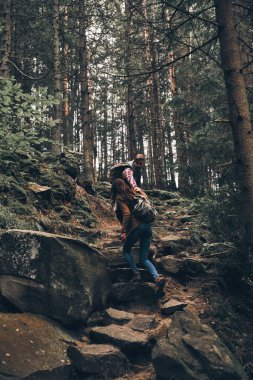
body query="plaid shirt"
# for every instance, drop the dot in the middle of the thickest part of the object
(128, 174)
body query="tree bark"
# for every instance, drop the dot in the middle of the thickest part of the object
(180, 137)
(85, 110)
(92, 118)
(104, 146)
(156, 127)
(245, 24)
(239, 116)
(160, 155)
(173, 185)
(6, 39)
(56, 131)
(132, 145)
(66, 120)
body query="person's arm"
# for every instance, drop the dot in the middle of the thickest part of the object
(126, 213)
(128, 174)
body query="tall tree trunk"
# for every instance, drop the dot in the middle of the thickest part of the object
(85, 111)
(6, 39)
(173, 185)
(113, 131)
(151, 161)
(142, 149)
(56, 131)
(162, 183)
(132, 144)
(239, 116)
(66, 120)
(104, 146)
(122, 137)
(175, 122)
(74, 105)
(183, 178)
(154, 109)
(92, 118)
(243, 12)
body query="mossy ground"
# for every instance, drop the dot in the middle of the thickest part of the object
(66, 208)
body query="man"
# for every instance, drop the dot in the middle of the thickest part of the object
(132, 174)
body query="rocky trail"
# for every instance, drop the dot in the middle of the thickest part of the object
(181, 332)
(140, 319)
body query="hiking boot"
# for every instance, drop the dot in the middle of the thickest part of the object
(160, 281)
(136, 277)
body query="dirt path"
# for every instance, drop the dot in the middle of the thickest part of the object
(197, 284)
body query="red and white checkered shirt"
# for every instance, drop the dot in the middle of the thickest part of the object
(128, 174)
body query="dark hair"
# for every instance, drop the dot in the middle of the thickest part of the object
(120, 187)
(139, 153)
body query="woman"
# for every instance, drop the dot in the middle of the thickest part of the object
(133, 230)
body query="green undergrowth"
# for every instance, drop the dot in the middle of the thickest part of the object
(57, 210)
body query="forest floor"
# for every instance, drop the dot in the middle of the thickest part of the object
(217, 296)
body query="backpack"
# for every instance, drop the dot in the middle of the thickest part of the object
(117, 170)
(143, 209)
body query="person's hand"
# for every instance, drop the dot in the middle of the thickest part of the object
(137, 189)
(123, 236)
(140, 191)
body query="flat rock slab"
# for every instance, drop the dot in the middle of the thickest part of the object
(32, 347)
(172, 244)
(118, 316)
(120, 336)
(101, 359)
(142, 322)
(172, 306)
(142, 292)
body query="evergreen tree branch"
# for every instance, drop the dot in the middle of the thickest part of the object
(192, 15)
(148, 73)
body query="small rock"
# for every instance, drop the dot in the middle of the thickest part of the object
(118, 315)
(162, 329)
(170, 264)
(171, 306)
(142, 322)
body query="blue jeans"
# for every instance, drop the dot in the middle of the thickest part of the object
(143, 233)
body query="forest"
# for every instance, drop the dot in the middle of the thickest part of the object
(92, 82)
(104, 79)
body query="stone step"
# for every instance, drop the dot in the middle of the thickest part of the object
(98, 359)
(171, 306)
(173, 244)
(121, 274)
(142, 293)
(129, 341)
(116, 259)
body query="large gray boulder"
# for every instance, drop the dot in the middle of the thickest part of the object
(56, 276)
(193, 351)
(33, 348)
